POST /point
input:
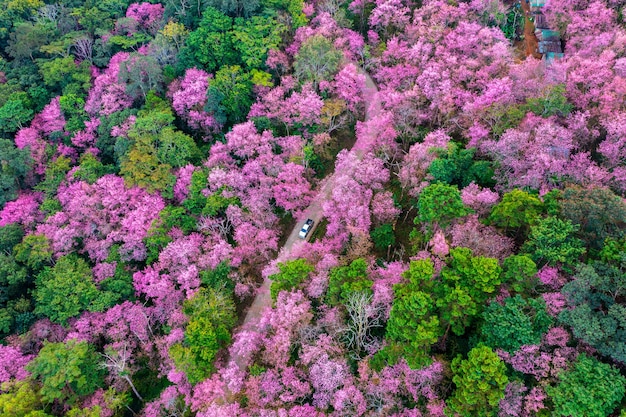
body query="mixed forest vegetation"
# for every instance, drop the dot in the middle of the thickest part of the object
(154, 158)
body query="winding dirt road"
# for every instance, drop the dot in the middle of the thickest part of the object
(314, 211)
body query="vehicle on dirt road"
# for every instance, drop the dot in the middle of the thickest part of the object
(306, 228)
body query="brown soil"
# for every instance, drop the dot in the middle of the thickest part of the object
(531, 43)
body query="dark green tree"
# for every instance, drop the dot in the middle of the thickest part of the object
(598, 212)
(383, 236)
(211, 46)
(518, 322)
(596, 314)
(457, 166)
(14, 166)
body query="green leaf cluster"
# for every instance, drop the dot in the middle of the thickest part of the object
(457, 166)
(591, 389)
(211, 315)
(440, 204)
(291, 274)
(344, 280)
(480, 381)
(67, 371)
(515, 323)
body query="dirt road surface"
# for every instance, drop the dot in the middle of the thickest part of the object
(263, 299)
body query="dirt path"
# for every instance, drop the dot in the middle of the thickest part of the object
(314, 211)
(531, 43)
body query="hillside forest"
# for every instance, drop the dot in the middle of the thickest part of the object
(467, 255)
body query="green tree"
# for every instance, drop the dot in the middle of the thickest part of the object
(26, 39)
(66, 289)
(234, 8)
(34, 251)
(596, 314)
(439, 204)
(317, 60)
(91, 169)
(14, 114)
(519, 273)
(67, 371)
(517, 210)
(598, 212)
(254, 37)
(211, 315)
(292, 273)
(552, 102)
(383, 236)
(231, 93)
(14, 166)
(55, 175)
(590, 389)
(518, 322)
(14, 285)
(64, 75)
(480, 381)
(211, 45)
(345, 279)
(141, 74)
(465, 285)
(456, 166)
(20, 399)
(10, 235)
(413, 320)
(552, 241)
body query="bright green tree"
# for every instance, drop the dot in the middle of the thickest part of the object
(254, 37)
(34, 251)
(553, 241)
(20, 399)
(515, 323)
(440, 203)
(465, 285)
(211, 315)
(413, 320)
(66, 371)
(66, 289)
(292, 273)
(590, 389)
(519, 273)
(14, 114)
(517, 210)
(480, 381)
